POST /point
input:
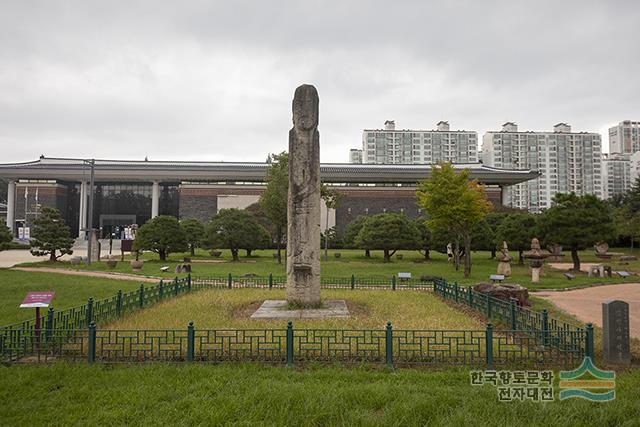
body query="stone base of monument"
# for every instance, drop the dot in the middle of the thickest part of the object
(279, 309)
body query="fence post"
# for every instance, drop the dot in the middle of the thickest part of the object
(270, 280)
(514, 319)
(589, 342)
(455, 289)
(488, 300)
(353, 281)
(230, 280)
(470, 295)
(91, 350)
(161, 289)
(141, 296)
(119, 303)
(545, 327)
(389, 345)
(175, 286)
(49, 326)
(290, 344)
(89, 311)
(189, 282)
(393, 282)
(489, 345)
(191, 338)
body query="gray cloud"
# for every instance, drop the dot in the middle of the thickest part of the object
(214, 80)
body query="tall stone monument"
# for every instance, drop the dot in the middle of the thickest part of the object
(615, 332)
(303, 208)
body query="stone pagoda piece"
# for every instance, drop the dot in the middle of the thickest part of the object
(536, 258)
(303, 209)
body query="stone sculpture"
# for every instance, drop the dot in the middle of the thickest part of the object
(504, 260)
(536, 258)
(303, 208)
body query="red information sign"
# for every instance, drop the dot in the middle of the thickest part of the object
(37, 299)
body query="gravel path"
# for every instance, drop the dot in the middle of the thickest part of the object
(586, 304)
(115, 276)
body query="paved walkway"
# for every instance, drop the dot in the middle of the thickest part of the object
(106, 275)
(18, 256)
(586, 304)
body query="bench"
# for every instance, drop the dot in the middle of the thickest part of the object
(164, 269)
(569, 276)
(623, 273)
(404, 276)
(496, 278)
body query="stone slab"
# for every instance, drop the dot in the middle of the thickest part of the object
(615, 332)
(277, 309)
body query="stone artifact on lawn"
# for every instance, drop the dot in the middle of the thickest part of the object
(536, 258)
(504, 292)
(504, 260)
(303, 208)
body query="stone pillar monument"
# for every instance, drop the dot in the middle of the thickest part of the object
(303, 209)
(615, 332)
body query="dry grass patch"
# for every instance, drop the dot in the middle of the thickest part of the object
(220, 308)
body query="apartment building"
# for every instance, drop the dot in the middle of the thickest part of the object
(567, 161)
(411, 146)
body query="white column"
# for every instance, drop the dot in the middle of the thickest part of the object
(11, 207)
(82, 223)
(155, 199)
(504, 194)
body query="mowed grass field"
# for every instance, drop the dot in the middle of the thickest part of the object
(70, 291)
(224, 308)
(354, 262)
(259, 395)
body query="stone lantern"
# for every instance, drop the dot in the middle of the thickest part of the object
(536, 258)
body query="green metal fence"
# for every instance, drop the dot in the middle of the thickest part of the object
(530, 337)
(551, 332)
(289, 345)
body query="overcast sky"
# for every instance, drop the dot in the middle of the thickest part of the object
(206, 80)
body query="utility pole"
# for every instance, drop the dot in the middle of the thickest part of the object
(92, 162)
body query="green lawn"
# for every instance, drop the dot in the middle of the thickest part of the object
(223, 308)
(248, 394)
(354, 262)
(70, 291)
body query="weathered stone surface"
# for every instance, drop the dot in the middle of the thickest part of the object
(278, 309)
(303, 209)
(615, 332)
(504, 291)
(95, 246)
(504, 261)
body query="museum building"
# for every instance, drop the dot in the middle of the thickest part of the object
(130, 192)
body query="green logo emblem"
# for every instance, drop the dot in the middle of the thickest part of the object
(572, 386)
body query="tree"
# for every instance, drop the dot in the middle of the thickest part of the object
(424, 236)
(162, 235)
(389, 232)
(194, 230)
(454, 202)
(332, 199)
(576, 222)
(351, 232)
(236, 229)
(274, 199)
(626, 222)
(50, 234)
(517, 229)
(5, 237)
